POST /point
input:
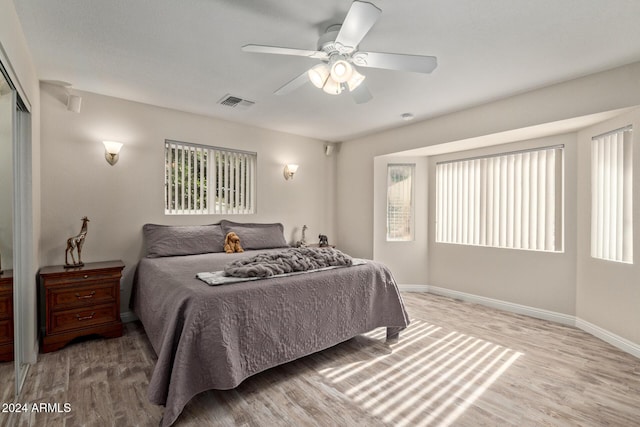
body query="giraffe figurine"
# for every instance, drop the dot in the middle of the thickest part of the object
(303, 242)
(76, 243)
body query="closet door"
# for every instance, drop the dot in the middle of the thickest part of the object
(16, 217)
(7, 119)
(7, 123)
(23, 285)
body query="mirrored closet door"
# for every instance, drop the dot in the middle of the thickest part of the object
(15, 255)
(7, 108)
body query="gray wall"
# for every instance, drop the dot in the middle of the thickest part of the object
(543, 280)
(407, 260)
(608, 293)
(597, 93)
(120, 199)
(571, 283)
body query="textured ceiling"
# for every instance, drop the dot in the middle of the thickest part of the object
(186, 54)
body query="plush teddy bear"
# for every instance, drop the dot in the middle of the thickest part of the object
(232, 243)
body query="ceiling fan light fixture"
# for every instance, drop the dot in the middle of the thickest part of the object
(319, 75)
(341, 71)
(337, 48)
(332, 87)
(355, 80)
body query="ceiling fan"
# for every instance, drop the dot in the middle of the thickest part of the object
(338, 51)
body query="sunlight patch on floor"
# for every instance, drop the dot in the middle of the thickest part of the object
(387, 375)
(410, 389)
(475, 393)
(429, 378)
(416, 334)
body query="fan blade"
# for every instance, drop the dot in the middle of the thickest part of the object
(255, 48)
(293, 84)
(361, 94)
(396, 61)
(356, 25)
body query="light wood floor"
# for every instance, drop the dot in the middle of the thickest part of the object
(457, 364)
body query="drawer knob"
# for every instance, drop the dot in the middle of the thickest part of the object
(90, 295)
(86, 276)
(85, 317)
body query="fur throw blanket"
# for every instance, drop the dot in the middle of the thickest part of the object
(287, 261)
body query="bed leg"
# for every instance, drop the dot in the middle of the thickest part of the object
(393, 333)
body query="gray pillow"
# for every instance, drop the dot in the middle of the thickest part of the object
(172, 240)
(256, 236)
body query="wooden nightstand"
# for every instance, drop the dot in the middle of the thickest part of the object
(80, 301)
(6, 316)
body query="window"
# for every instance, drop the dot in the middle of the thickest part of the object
(208, 180)
(400, 202)
(611, 196)
(509, 200)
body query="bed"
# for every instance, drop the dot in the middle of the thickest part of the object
(213, 337)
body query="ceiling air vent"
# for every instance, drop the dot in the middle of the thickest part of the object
(235, 102)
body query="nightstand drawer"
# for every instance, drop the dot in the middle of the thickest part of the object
(6, 302)
(6, 331)
(81, 278)
(66, 320)
(79, 301)
(78, 296)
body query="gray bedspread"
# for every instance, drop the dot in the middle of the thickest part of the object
(214, 337)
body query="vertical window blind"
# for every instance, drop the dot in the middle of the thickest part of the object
(509, 200)
(611, 196)
(400, 202)
(208, 180)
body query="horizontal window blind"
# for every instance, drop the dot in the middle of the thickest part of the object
(208, 180)
(400, 202)
(510, 200)
(611, 196)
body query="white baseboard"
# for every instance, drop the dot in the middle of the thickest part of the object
(565, 319)
(538, 313)
(413, 288)
(128, 316)
(613, 339)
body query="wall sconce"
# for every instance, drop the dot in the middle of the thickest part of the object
(112, 151)
(289, 170)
